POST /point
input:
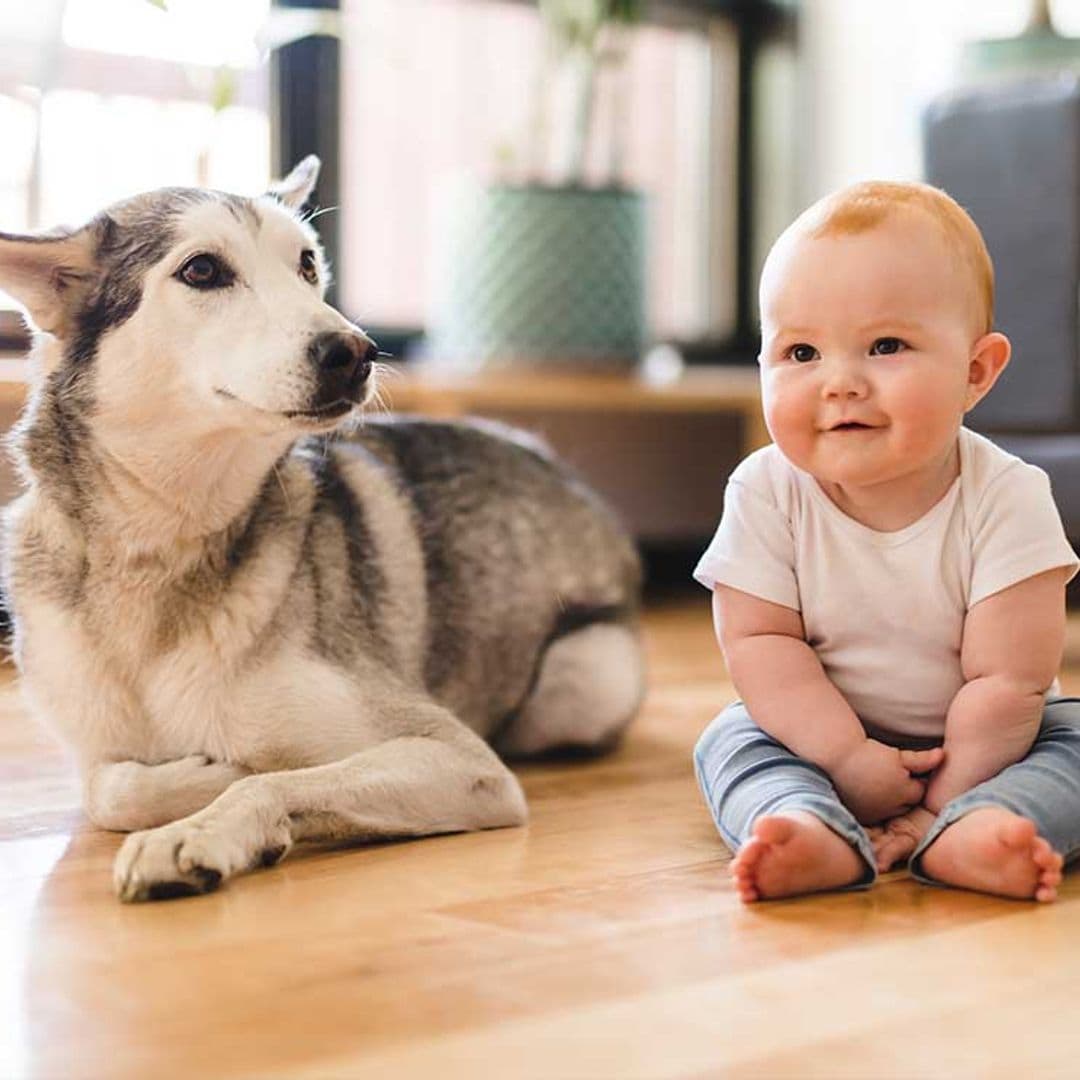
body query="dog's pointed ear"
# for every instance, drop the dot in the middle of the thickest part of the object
(47, 275)
(295, 188)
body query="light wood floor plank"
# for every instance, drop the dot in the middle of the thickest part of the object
(603, 940)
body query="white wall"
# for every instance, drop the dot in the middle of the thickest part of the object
(869, 68)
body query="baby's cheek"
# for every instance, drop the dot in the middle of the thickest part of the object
(931, 421)
(932, 404)
(792, 430)
(788, 414)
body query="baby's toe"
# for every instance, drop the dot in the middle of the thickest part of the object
(1050, 876)
(740, 873)
(748, 857)
(747, 893)
(1044, 856)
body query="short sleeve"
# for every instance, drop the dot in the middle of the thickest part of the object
(1017, 533)
(753, 549)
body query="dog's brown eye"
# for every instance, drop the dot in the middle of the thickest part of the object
(309, 268)
(205, 272)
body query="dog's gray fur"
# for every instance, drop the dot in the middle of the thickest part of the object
(251, 634)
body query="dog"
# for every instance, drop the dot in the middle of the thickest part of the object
(251, 630)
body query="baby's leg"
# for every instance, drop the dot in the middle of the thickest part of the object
(1011, 835)
(780, 814)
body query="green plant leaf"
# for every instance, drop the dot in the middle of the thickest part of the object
(625, 11)
(161, 5)
(223, 92)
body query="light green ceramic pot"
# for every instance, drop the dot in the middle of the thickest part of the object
(539, 275)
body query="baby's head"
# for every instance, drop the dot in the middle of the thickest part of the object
(876, 318)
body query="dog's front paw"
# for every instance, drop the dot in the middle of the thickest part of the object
(243, 829)
(185, 859)
(181, 859)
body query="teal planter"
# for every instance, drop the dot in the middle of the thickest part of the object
(539, 275)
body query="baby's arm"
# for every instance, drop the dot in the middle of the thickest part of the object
(786, 691)
(1010, 654)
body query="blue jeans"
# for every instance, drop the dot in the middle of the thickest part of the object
(745, 774)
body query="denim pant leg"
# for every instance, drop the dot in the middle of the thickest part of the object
(1044, 787)
(745, 773)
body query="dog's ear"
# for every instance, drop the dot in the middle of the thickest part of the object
(295, 188)
(47, 275)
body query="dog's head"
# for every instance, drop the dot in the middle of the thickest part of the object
(207, 305)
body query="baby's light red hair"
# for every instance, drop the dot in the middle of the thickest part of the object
(865, 205)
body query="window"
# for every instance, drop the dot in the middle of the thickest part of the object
(433, 89)
(100, 99)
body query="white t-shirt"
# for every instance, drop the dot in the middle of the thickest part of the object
(884, 611)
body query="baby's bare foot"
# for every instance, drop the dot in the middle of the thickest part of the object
(993, 850)
(792, 854)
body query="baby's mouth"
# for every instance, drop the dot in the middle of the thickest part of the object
(851, 425)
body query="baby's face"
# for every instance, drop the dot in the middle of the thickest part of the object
(866, 346)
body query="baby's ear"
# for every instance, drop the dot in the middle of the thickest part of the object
(989, 355)
(47, 275)
(295, 188)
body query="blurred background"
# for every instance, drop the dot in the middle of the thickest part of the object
(680, 136)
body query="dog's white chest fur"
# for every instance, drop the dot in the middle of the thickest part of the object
(171, 678)
(188, 700)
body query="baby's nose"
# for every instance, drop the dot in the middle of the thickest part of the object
(844, 378)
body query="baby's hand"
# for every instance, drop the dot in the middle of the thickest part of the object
(897, 839)
(876, 782)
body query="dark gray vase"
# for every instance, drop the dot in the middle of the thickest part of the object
(539, 275)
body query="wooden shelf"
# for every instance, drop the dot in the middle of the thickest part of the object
(729, 391)
(659, 452)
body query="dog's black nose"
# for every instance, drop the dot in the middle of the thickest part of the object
(335, 351)
(342, 365)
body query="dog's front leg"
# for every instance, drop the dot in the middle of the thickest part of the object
(438, 778)
(127, 795)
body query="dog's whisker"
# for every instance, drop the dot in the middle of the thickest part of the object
(378, 400)
(318, 213)
(281, 484)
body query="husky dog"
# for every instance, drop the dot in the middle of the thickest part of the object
(251, 635)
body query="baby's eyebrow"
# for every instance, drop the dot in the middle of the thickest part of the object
(773, 333)
(898, 323)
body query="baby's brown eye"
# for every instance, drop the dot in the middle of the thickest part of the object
(309, 268)
(887, 346)
(802, 353)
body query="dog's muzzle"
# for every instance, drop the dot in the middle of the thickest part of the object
(342, 365)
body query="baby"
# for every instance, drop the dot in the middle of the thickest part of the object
(888, 586)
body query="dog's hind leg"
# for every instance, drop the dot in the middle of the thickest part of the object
(588, 688)
(439, 777)
(128, 795)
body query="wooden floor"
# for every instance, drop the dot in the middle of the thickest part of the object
(603, 940)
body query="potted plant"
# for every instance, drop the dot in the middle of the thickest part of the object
(550, 269)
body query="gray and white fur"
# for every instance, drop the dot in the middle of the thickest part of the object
(249, 633)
